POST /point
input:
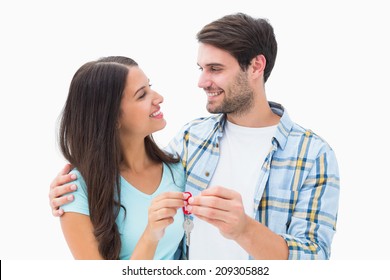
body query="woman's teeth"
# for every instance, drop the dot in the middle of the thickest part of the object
(155, 114)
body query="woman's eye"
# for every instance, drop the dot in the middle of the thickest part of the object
(142, 95)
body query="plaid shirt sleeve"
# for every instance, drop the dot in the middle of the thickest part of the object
(313, 221)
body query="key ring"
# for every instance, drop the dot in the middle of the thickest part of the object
(186, 212)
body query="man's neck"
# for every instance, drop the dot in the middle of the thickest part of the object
(260, 115)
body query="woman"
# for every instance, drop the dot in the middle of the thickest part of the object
(128, 190)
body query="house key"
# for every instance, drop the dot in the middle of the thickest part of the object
(188, 223)
(188, 226)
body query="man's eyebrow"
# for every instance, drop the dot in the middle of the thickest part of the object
(212, 64)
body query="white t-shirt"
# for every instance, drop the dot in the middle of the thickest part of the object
(242, 153)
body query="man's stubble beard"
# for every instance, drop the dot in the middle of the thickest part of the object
(238, 98)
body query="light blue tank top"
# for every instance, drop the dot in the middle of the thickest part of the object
(137, 203)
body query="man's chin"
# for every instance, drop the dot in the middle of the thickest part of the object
(213, 110)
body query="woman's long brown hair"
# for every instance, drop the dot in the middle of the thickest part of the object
(89, 140)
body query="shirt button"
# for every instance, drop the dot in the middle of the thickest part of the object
(217, 145)
(207, 174)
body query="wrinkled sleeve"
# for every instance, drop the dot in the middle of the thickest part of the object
(313, 223)
(80, 202)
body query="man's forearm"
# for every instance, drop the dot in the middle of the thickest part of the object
(261, 243)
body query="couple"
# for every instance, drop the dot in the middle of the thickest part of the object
(262, 186)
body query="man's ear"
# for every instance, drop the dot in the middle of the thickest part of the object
(257, 66)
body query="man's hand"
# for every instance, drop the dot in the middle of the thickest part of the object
(58, 188)
(222, 208)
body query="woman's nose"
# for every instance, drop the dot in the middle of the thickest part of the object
(158, 98)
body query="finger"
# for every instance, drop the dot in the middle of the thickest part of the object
(58, 212)
(161, 225)
(161, 214)
(210, 202)
(221, 192)
(66, 169)
(209, 213)
(62, 179)
(214, 222)
(169, 199)
(226, 229)
(58, 202)
(61, 190)
(167, 195)
(167, 203)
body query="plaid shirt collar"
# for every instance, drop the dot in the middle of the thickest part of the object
(284, 127)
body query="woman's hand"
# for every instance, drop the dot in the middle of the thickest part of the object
(161, 214)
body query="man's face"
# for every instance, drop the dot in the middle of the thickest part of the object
(225, 84)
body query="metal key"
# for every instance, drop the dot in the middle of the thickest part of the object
(188, 226)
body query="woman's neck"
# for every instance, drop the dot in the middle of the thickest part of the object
(134, 155)
(139, 169)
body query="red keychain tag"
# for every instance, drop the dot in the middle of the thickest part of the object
(184, 208)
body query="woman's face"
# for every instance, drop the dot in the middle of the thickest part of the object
(140, 106)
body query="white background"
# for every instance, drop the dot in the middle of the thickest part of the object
(331, 74)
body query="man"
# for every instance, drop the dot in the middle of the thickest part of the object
(262, 187)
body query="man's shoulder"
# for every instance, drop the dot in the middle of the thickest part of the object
(317, 142)
(195, 132)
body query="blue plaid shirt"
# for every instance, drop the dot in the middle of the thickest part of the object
(297, 192)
